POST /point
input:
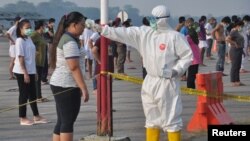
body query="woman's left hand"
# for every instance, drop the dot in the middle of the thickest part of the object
(85, 95)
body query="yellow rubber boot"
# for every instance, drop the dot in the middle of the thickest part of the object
(174, 136)
(153, 134)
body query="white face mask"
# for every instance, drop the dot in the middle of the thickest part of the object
(157, 21)
(246, 23)
(45, 30)
(28, 32)
(152, 22)
(226, 25)
(240, 29)
(198, 29)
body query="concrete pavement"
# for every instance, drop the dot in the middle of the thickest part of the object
(128, 120)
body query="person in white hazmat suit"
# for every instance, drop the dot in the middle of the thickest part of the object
(166, 56)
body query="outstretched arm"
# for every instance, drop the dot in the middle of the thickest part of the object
(130, 35)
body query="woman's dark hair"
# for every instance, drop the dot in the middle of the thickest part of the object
(145, 21)
(38, 24)
(246, 18)
(116, 22)
(234, 18)
(182, 19)
(19, 26)
(239, 23)
(17, 19)
(52, 20)
(97, 21)
(226, 20)
(66, 20)
(126, 23)
(193, 35)
(203, 18)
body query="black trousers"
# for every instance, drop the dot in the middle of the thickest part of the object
(27, 91)
(45, 67)
(208, 49)
(97, 69)
(202, 54)
(236, 57)
(192, 71)
(38, 82)
(68, 102)
(122, 52)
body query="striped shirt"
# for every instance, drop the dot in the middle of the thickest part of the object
(67, 49)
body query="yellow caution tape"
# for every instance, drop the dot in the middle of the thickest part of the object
(137, 80)
(239, 98)
(224, 96)
(17, 106)
(184, 90)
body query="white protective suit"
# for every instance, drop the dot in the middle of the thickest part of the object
(166, 56)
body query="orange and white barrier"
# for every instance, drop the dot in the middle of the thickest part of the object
(210, 109)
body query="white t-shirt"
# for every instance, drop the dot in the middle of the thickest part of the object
(85, 37)
(209, 29)
(12, 32)
(94, 37)
(62, 76)
(27, 49)
(81, 37)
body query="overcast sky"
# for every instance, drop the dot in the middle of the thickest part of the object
(177, 7)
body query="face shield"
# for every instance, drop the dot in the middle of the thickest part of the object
(159, 19)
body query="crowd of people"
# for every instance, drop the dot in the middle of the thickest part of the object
(168, 56)
(230, 39)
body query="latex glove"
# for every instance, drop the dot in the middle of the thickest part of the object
(174, 73)
(103, 32)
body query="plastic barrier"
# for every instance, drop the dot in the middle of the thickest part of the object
(210, 110)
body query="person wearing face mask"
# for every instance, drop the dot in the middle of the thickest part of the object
(182, 20)
(25, 71)
(11, 35)
(218, 34)
(209, 28)
(166, 56)
(184, 31)
(48, 35)
(41, 45)
(193, 41)
(84, 39)
(67, 78)
(237, 44)
(245, 33)
(246, 20)
(202, 38)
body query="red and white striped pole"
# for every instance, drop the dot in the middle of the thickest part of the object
(104, 99)
(104, 91)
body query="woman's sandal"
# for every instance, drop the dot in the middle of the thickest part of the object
(26, 122)
(42, 100)
(40, 121)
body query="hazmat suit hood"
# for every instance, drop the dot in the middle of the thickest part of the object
(161, 14)
(89, 23)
